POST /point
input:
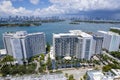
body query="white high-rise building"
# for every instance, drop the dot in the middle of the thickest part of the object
(74, 44)
(111, 40)
(22, 45)
(97, 44)
(115, 30)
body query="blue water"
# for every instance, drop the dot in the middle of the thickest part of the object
(58, 27)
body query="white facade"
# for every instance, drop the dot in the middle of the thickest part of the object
(94, 75)
(97, 75)
(22, 45)
(97, 44)
(113, 74)
(2, 51)
(111, 40)
(74, 44)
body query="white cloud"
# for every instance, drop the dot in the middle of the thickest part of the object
(52, 10)
(35, 2)
(6, 8)
(84, 5)
(59, 7)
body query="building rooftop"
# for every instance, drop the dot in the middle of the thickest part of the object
(73, 33)
(80, 33)
(98, 75)
(95, 75)
(115, 28)
(109, 33)
(20, 34)
(17, 34)
(63, 34)
(35, 33)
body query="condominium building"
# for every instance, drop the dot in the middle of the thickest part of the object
(74, 44)
(22, 45)
(115, 30)
(97, 44)
(111, 40)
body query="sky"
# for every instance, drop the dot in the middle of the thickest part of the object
(60, 7)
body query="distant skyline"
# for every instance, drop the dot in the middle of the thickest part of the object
(100, 8)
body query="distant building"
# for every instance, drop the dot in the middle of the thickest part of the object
(97, 44)
(111, 40)
(74, 44)
(22, 45)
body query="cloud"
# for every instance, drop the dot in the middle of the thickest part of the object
(35, 2)
(52, 10)
(84, 5)
(6, 8)
(59, 7)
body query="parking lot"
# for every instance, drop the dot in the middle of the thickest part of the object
(77, 73)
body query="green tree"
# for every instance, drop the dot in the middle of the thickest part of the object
(106, 68)
(5, 70)
(42, 56)
(7, 58)
(49, 63)
(71, 77)
(48, 47)
(85, 76)
(66, 75)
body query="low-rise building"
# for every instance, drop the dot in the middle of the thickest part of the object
(113, 74)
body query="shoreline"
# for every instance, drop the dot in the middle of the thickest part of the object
(96, 21)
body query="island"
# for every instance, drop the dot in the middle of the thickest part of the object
(21, 24)
(95, 21)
